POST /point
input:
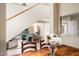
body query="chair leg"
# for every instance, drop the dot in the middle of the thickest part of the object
(40, 45)
(21, 47)
(35, 46)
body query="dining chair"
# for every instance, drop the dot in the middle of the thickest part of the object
(28, 46)
(43, 44)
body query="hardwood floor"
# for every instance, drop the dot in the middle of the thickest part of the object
(65, 50)
(62, 50)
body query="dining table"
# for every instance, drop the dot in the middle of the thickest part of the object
(41, 52)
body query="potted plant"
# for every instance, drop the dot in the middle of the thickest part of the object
(54, 41)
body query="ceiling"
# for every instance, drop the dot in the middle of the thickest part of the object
(15, 8)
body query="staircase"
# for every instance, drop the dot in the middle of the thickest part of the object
(14, 27)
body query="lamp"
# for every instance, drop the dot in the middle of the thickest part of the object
(36, 32)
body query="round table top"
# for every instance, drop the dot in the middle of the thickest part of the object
(42, 52)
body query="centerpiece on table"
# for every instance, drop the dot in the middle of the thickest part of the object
(54, 41)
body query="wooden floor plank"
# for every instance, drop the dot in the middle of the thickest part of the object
(65, 50)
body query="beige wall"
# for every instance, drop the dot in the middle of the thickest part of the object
(51, 24)
(68, 8)
(55, 18)
(2, 29)
(78, 25)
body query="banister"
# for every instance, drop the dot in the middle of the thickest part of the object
(23, 11)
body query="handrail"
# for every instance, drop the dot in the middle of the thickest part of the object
(23, 11)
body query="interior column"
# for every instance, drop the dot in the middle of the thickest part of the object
(2, 29)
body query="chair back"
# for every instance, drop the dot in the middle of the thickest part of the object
(28, 46)
(43, 44)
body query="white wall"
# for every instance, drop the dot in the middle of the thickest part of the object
(72, 26)
(71, 38)
(71, 23)
(65, 21)
(19, 23)
(68, 8)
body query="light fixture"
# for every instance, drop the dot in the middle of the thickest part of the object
(22, 4)
(42, 21)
